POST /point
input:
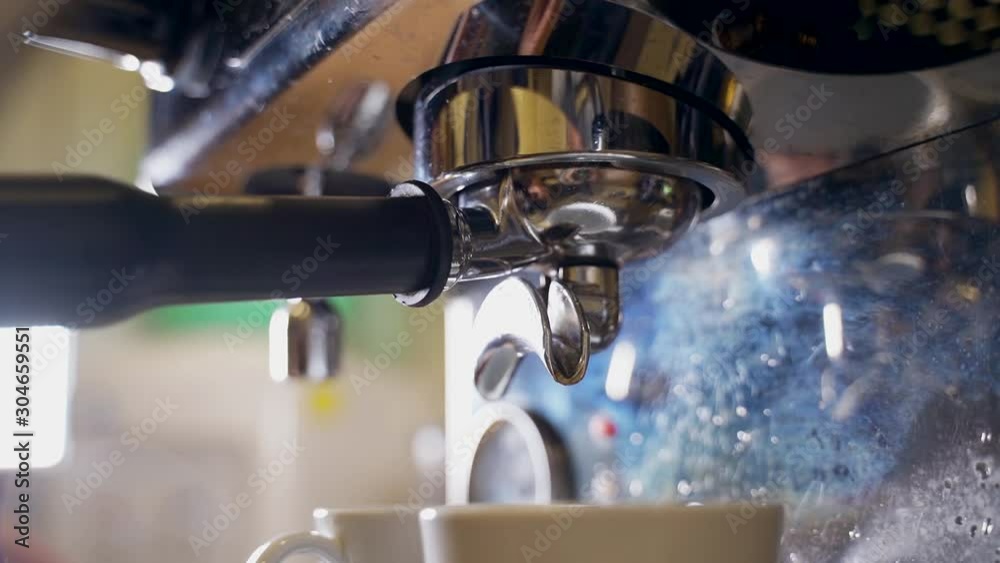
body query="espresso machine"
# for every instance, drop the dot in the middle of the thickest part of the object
(741, 251)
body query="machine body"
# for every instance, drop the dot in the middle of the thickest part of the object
(758, 252)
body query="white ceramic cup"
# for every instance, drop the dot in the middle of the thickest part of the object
(737, 533)
(375, 535)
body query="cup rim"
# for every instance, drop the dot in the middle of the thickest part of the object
(325, 512)
(483, 510)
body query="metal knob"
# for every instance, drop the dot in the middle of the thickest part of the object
(306, 340)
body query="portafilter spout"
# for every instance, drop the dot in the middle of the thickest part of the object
(572, 223)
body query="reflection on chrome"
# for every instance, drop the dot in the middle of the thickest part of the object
(833, 330)
(762, 256)
(620, 369)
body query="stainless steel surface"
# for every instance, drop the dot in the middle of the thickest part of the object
(614, 206)
(578, 222)
(500, 113)
(515, 320)
(596, 288)
(602, 38)
(558, 159)
(500, 137)
(305, 338)
(579, 313)
(462, 248)
(317, 28)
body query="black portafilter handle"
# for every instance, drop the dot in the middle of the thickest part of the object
(84, 252)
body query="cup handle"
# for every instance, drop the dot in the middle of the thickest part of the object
(311, 543)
